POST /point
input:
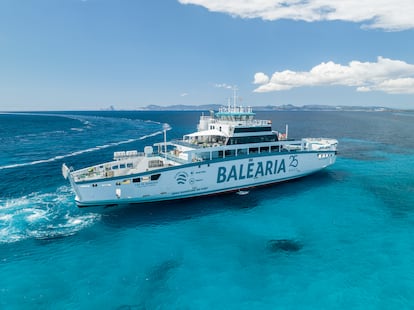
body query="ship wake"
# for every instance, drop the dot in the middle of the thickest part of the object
(42, 216)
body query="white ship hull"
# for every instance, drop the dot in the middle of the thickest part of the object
(200, 178)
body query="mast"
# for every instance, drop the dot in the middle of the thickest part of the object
(165, 127)
(234, 97)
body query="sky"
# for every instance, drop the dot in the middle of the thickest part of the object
(93, 54)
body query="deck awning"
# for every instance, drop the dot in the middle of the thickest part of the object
(205, 133)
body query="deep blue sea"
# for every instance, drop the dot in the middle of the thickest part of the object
(342, 238)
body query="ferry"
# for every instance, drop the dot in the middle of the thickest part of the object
(231, 151)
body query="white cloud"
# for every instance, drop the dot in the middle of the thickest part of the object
(396, 86)
(184, 94)
(383, 14)
(260, 78)
(387, 75)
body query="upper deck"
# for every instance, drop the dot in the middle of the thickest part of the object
(180, 153)
(237, 121)
(235, 113)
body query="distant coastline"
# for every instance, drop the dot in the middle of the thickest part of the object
(287, 107)
(215, 107)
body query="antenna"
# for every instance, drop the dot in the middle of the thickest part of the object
(165, 127)
(234, 96)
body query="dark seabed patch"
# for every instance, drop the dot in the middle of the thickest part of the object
(284, 245)
(161, 272)
(400, 203)
(130, 307)
(156, 283)
(392, 182)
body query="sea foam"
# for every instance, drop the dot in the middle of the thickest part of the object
(42, 216)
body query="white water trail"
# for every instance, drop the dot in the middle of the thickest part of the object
(76, 153)
(42, 216)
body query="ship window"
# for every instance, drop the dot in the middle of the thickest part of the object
(205, 155)
(241, 151)
(136, 180)
(122, 166)
(115, 167)
(129, 165)
(155, 163)
(215, 155)
(252, 139)
(252, 129)
(155, 177)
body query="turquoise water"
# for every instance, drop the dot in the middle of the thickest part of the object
(341, 238)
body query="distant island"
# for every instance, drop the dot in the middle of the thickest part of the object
(287, 107)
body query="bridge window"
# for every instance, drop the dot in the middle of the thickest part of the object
(252, 129)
